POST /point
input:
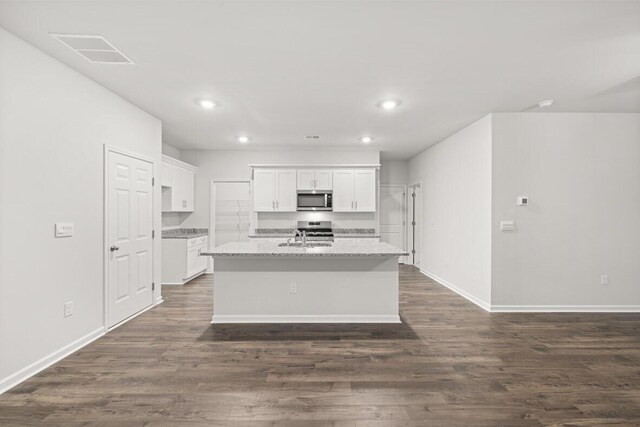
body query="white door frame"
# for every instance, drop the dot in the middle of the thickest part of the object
(212, 208)
(405, 242)
(105, 234)
(410, 218)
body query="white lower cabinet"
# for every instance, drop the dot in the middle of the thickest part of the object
(181, 260)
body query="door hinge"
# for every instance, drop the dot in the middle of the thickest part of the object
(153, 286)
(153, 234)
(153, 182)
(413, 251)
(413, 195)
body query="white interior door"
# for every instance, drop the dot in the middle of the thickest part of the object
(129, 240)
(392, 216)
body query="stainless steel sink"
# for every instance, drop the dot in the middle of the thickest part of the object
(309, 244)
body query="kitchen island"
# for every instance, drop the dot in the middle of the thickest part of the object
(344, 282)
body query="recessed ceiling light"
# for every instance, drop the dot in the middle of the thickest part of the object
(545, 103)
(389, 104)
(206, 104)
(243, 139)
(366, 139)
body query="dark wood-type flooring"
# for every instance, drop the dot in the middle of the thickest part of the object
(449, 364)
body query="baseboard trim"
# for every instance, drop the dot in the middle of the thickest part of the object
(477, 301)
(390, 318)
(565, 308)
(133, 316)
(42, 364)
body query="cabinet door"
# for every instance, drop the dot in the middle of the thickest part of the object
(306, 179)
(193, 260)
(343, 191)
(365, 190)
(264, 190)
(189, 190)
(165, 175)
(286, 200)
(324, 180)
(178, 202)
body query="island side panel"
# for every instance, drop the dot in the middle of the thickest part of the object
(327, 290)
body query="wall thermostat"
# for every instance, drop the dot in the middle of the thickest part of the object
(523, 200)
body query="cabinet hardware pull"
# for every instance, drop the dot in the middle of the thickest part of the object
(114, 248)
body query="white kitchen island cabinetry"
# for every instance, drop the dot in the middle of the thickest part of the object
(261, 282)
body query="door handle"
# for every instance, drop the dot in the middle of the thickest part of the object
(114, 248)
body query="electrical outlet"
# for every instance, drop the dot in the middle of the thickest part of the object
(68, 308)
(293, 288)
(604, 280)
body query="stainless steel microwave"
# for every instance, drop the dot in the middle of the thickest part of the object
(313, 200)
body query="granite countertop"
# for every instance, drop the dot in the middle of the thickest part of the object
(337, 232)
(185, 233)
(340, 249)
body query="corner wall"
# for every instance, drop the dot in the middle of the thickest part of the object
(581, 172)
(54, 123)
(456, 210)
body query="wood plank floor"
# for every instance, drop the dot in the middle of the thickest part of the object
(449, 364)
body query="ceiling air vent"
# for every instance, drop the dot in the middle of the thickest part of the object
(94, 49)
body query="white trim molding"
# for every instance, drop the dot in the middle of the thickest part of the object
(565, 308)
(40, 365)
(305, 319)
(477, 301)
(533, 308)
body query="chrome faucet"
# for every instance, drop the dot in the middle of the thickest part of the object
(298, 233)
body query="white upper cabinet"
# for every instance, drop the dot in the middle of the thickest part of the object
(264, 190)
(306, 178)
(286, 195)
(324, 179)
(343, 191)
(311, 179)
(178, 182)
(165, 174)
(354, 190)
(364, 190)
(274, 190)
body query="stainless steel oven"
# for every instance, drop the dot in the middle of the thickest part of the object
(312, 200)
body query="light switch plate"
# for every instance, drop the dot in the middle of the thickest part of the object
(64, 229)
(523, 200)
(507, 226)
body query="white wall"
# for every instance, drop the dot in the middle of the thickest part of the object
(53, 124)
(456, 210)
(234, 165)
(394, 172)
(171, 151)
(582, 174)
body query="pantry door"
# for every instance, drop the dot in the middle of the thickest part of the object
(129, 243)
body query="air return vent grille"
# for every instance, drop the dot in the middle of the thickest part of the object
(93, 48)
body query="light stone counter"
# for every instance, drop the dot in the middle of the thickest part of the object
(337, 249)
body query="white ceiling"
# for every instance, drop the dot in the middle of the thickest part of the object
(284, 70)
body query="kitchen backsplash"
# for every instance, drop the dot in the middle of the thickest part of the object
(339, 219)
